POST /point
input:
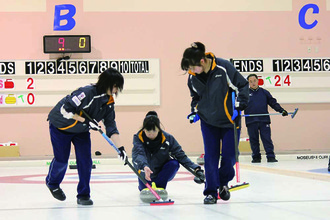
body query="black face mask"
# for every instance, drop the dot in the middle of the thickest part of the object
(152, 145)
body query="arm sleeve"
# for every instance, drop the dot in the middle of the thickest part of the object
(194, 96)
(75, 102)
(240, 82)
(110, 122)
(179, 154)
(272, 102)
(139, 156)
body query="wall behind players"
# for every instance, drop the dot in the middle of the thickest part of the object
(253, 30)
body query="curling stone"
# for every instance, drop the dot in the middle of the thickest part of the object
(147, 196)
(74, 166)
(200, 160)
(98, 153)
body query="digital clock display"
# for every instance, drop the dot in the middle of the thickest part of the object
(67, 44)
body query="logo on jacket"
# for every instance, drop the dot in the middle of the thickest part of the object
(76, 100)
(81, 96)
(162, 148)
(218, 75)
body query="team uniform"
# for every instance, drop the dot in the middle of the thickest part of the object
(64, 130)
(258, 104)
(211, 98)
(156, 155)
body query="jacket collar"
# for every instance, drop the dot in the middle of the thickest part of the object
(111, 100)
(255, 89)
(141, 138)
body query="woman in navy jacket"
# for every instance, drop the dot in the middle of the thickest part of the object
(157, 154)
(67, 125)
(211, 82)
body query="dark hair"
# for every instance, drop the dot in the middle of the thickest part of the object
(151, 121)
(110, 78)
(252, 74)
(192, 55)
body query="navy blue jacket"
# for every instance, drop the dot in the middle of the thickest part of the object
(258, 104)
(97, 105)
(169, 146)
(213, 98)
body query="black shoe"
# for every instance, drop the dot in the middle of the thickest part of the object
(271, 160)
(256, 160)
(329, 168)
(210, 200)
(58, 193)
(84, 201)
(224, 193)
(198, 180)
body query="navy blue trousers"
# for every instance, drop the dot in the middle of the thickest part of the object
(167, 173)
(214, 139)
(61, 147)
(265, 135)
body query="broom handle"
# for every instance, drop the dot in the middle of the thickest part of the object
(235, 140)
(143, 180)
(236, 154)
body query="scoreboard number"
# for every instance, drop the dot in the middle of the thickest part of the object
(30, 83)
(85, 67)
(301, 65)
(274, 81)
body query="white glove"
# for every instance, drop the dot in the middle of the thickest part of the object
(92, 124)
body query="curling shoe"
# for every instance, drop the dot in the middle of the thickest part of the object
(84, 201)
(198, 180)
(224, 193)
(58, 193)
(256, 160)
(209, 199)
(271, 160)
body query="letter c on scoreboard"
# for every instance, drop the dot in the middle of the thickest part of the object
(302, 16)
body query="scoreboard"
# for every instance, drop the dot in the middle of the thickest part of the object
(290, 80)
(42, 83)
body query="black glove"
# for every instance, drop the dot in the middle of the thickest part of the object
(284, 113)
(92, 124)
(200, 177)
(122, 155)
(241, 106)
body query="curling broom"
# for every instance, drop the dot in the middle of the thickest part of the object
(293, 114)
(244, 184)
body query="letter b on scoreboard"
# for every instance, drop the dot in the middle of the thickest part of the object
(64, 22)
